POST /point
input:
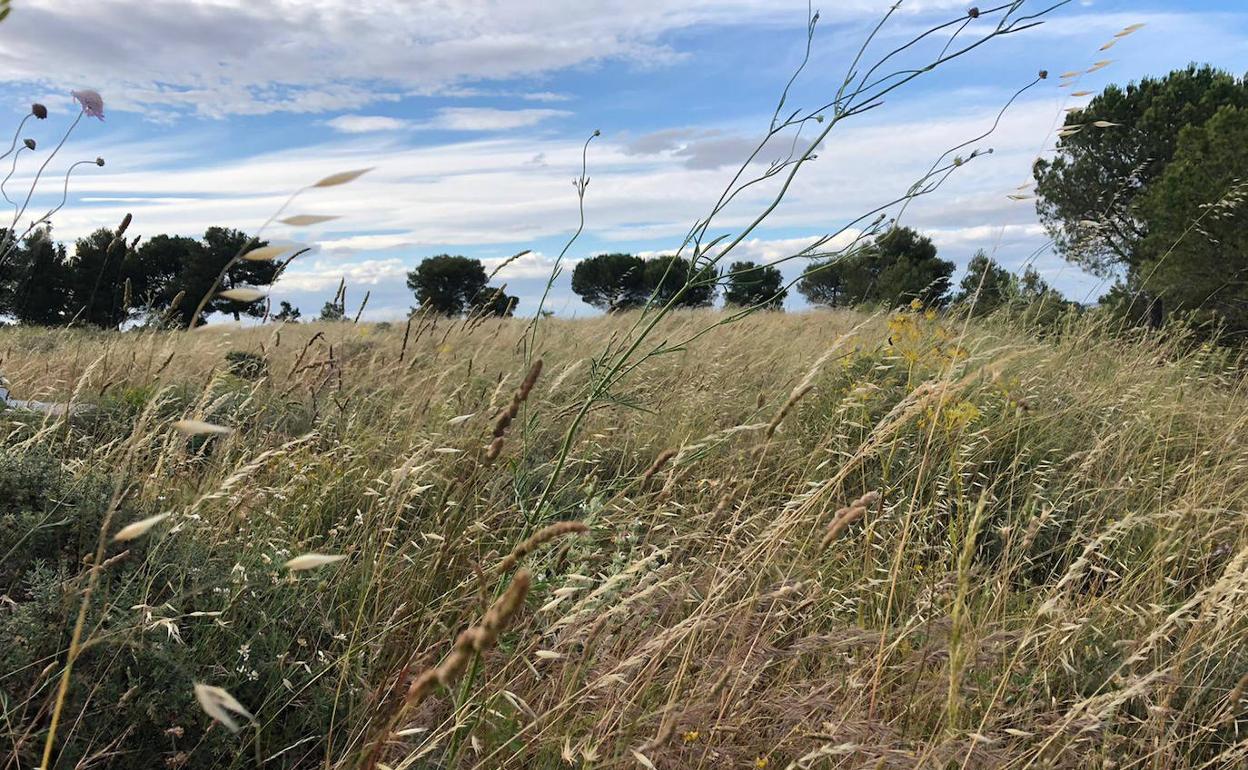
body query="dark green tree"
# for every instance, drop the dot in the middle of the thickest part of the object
(97, 290)
(495, 302)
(898, 266)
(160, 263)
(1033, 287)
(668, 277)
(287, 313)
(221, 244)
(750, 284)
(332, 311)
(1088, 193)
(987, 284)
(35, 285)
(447, 284)
(823, 283)
(1195, 256)
(611, 282)
(176, 269)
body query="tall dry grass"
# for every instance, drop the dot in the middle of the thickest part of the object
(1035, 548)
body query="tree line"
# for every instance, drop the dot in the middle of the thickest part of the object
(897, 267)
(1148, 187)
(110, 280)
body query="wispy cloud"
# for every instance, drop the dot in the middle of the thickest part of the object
(490, 191)
(365, 124)
(320, 274)
(472, 119)
(489, 118)
(221, 58)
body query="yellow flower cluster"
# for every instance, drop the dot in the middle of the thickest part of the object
(957, 416)
(917, 335)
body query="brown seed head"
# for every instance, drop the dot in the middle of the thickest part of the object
(530, 379)
(501, 613)
(848, 515)
(539, 538)
(496, 448)
(660, 461)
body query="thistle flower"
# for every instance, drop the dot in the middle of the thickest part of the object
(30, 143)
(39, 111)
(91, 101)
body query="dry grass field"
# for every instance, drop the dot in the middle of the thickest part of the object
(822, 540)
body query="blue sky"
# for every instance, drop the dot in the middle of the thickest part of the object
(474, 114)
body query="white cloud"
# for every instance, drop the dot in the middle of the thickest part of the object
(448, 119)
(489, 119)
(222, 57)
(766, 251)
(545, 96)
(987, 237)
(320, 275)
(490, 190)
(365, 124)
(531, 265)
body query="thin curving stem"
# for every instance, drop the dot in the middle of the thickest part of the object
(10, 176)
(64, 194)
(8, 244)
(16, 134)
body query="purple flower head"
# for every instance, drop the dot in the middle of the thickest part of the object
(39, 111)
(30, 143)
(91, 101)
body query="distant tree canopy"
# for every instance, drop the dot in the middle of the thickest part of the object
(898, 266)
(452, 285)
(220, 246)
(989, 286)
(109, 280)
(495, 302)
(613, 282)
(1089, 193)
(1156, 198)
(750, 284)
(986, 284)
(673, 278)
(1195, 254)
(34, 283)
(287, 313)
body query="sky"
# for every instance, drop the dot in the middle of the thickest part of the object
(474, 115)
